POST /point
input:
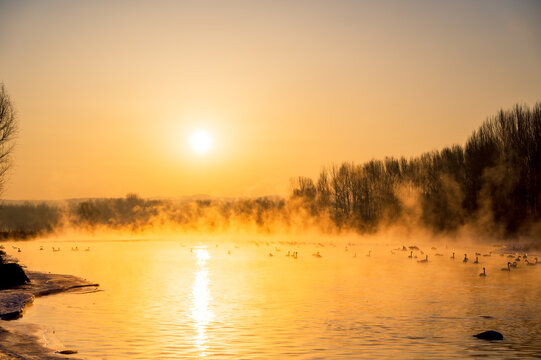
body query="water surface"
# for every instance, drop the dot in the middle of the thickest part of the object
(189, 298)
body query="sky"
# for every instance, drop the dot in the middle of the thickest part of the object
(109, 93)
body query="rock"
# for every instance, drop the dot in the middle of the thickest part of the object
(12, 275)
(489, 335)
(14, 315)
(67, 352)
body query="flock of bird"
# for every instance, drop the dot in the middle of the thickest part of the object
(510, 265)
(53, 248)
(514, 264)
(515, 259)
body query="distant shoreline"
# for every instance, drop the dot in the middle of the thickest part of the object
(28, 342)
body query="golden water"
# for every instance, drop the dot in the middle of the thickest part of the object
(188, 298)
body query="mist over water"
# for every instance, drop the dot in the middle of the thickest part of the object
(224, 296)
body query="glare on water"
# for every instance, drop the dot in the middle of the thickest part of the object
(200, 311)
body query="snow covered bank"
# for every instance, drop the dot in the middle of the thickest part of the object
(23, 341)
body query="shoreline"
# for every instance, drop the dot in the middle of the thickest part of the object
(32, 341)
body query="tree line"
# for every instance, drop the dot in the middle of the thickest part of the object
(135, 214)
(493, 181)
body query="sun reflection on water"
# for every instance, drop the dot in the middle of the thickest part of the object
(200, 311)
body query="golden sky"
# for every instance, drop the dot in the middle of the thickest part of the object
(108, 93)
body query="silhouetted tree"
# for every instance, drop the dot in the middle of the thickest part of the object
(498, 171)
(8, 129)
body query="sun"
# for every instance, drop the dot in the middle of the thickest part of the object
(201, 141)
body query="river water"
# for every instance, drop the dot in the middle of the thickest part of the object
(218, 298)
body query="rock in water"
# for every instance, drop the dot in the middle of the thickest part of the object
(12, 275)
(489, 335)
(14, 315)
(67, 352)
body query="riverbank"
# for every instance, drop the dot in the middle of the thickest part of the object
(33, 341)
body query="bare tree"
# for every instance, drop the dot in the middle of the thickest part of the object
(8, 129)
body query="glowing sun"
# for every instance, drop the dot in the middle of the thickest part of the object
(201, 141)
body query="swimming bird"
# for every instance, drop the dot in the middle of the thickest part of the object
(317, 254)
(425, 260)
(489, 254)
(270, 255)
(465, 258)
(438, 254)
(476, 260)
(518, 258)
(478, 254)
(18, 249)
(87, 249)
(510, 256)
(355, 255)
(411, 255)
(41, 248)
(483, 273)
(369, 253)
(453, 256)
(508, 268)
(288, 253)
(514, 264)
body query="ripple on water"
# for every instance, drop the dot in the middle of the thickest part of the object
(165, 301)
